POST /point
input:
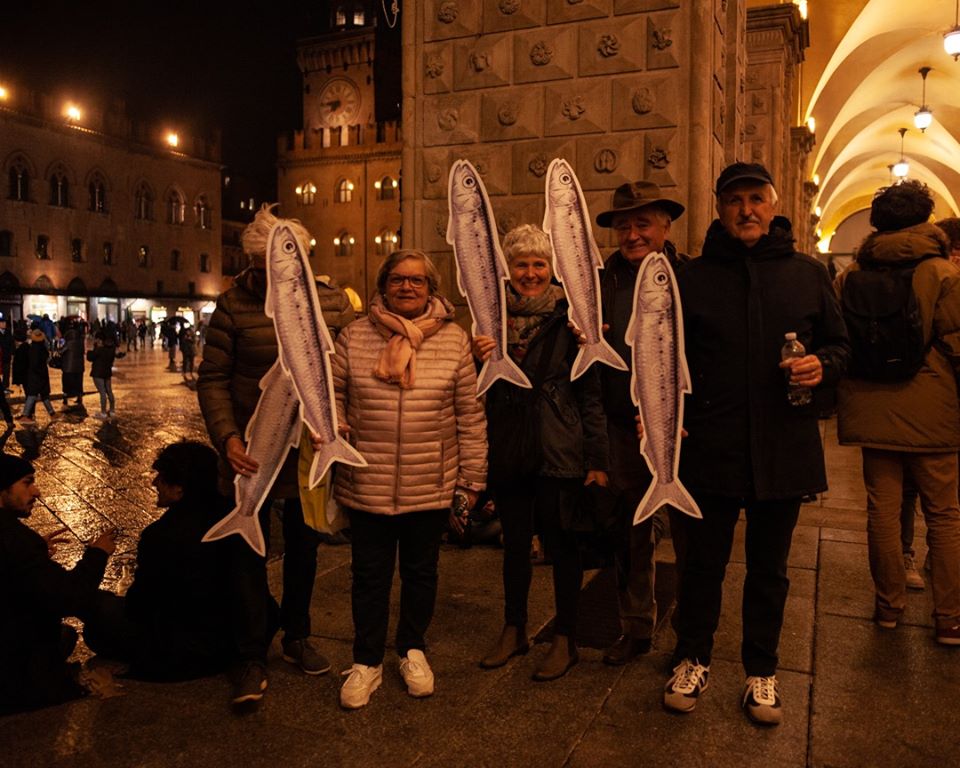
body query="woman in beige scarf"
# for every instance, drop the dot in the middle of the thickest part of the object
(405, 385)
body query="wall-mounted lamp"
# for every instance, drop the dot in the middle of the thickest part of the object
(923, 117)
(902, 167)
(951, 38)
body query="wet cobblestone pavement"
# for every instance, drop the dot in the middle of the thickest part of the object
(95, 474)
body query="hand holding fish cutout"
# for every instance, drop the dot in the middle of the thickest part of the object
(658, 383)
(577, 264)
(481, 270)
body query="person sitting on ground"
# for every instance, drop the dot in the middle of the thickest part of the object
(102, 355)
(174, 622)
(35, 595)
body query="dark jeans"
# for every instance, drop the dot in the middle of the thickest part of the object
(908, 513)
(375, 541)
(769, 530)
(542, 505)
(254, 622)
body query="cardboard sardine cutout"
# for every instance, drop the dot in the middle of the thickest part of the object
(305, 345)
(659, 380)
(481, 270)
(271, 432)
(577, 264)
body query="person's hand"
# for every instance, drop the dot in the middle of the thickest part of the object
(58, 536)
(472, 497)
(581, 336)
(483, 347)
(456, 523)
(241, 463)
(597, 476)
(806, 371)
(106, 541)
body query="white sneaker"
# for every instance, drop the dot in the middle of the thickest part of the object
(761, 700)
(690, 679)
(360, 683)
(417, 674)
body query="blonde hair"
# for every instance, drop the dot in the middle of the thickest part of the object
(527, 239)
(255, 235)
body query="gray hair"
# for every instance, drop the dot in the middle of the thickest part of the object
(433, 275)
(527, 239)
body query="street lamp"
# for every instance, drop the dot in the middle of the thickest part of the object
(902, 167)
(923, 117)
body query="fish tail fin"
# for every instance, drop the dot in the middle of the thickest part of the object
(659, 494)
(247, 526)
(505, 369)
(598, 352)
(337, 450)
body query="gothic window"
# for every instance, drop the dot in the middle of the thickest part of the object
(359, 17)
(204, 262)
(306, 193)
(386, 242)
(340, 17)
(175, 207)
(76, 250)
(143, 256)
(108, 253)
(344, 191)
(175, 260)
(59, 189)
(98, 195)
(143, 200)
(386, 188)
(43, 247)
(6, 242)
(343, 244)
(202, 211)
(19, 180)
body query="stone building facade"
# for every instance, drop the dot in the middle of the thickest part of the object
(101, 217)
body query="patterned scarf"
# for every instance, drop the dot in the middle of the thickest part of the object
(525, 315)
(398, 361)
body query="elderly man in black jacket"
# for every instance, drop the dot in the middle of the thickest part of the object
(748, 447)
(35, 595)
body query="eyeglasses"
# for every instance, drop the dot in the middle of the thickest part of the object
(416, 281)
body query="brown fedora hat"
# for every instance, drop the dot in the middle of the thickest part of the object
(635, 195)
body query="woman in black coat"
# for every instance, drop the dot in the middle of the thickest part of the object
(36, 375)
(71, 365)
(101, 357)
(570, 439)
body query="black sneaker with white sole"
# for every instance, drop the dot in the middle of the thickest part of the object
(250, 683)
(690, 679)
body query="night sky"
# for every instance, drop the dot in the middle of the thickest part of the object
(201, 65)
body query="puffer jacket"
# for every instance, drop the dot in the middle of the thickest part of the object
(421, 443)
(922, 414)
(573, 427)
(241, 346)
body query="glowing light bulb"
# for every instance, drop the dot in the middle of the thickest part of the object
(901, 169)
(923, 118)
(172, 139)
(818, 210)
(336, 241)
(378, 239)
(812, 124)
(72, 111)
(4, 93)
(395, 184)
(376, 185)
(816, 179)
(313, 242)
(298, 190)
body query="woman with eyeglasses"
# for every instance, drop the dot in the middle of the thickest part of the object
(405, 386)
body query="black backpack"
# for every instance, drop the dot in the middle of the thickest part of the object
(883, 321)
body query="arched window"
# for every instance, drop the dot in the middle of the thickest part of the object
(344, 191)
(43, 247)
(202, 210)
(386, 242)
(306, 193)
(143, 200)
(59, 189)
(108, 253)
(340, 17)
(19, 180)
(386, 188)
(175, 260)
(359, 17)
(176, 208)
(6, 242)
(98, 194)
(76, 250)
(143, 256)
(343, 244)
(204, 262)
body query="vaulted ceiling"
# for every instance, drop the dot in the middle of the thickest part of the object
(861, 83)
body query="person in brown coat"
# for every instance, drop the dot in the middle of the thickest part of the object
(241, 346)
(913, 426)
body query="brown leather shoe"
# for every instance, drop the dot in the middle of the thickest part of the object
(561, 656)
(625, 649)
(513, 642)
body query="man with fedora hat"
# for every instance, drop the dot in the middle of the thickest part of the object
(747, 446)
(640, 216)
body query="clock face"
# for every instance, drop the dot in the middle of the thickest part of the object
(339, 103)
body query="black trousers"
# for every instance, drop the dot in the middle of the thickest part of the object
(254, 610)
(708, 542)
(375, 541)
(543, 505)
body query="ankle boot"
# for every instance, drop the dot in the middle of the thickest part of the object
(561, 656)
(513, 642)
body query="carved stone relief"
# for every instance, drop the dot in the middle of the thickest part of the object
(584, 108)
(561, 11)
(508, 7)
(646, 101)
(507, 114)
(607, 47)
(643, 100)
(541, 54)
(606, 161)
(434, 173)
(573, 109)
(658, 157)
(445, 19)
(451, 120)
(662, 48)
(538, 165)
(448, 119)
(482, 64)
(538, 56)
(448, 11)
(633, 6)
(438, 69)
(504, 15)
(434, 67)
(529, 161)
(510, 114)
(435, 167)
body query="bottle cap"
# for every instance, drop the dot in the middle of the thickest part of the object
(792, 336)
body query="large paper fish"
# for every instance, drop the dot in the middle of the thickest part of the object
(305, 345)
(481, 270)
(660, 379)
(271, 432)
(577, 264)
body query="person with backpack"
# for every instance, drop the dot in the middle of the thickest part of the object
(901, 303)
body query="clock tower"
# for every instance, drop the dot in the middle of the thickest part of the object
(337, 74)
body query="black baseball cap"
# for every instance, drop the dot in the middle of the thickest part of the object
(742, 172)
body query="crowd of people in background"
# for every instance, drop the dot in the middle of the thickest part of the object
(404, 381)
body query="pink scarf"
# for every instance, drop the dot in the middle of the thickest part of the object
(398, 361)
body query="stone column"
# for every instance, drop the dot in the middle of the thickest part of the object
(776, 39)
(623, 89)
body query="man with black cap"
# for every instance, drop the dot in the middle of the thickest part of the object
(640, 216)
(35, 595)
(747, 447)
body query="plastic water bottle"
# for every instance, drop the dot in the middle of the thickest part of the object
(796, 394)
